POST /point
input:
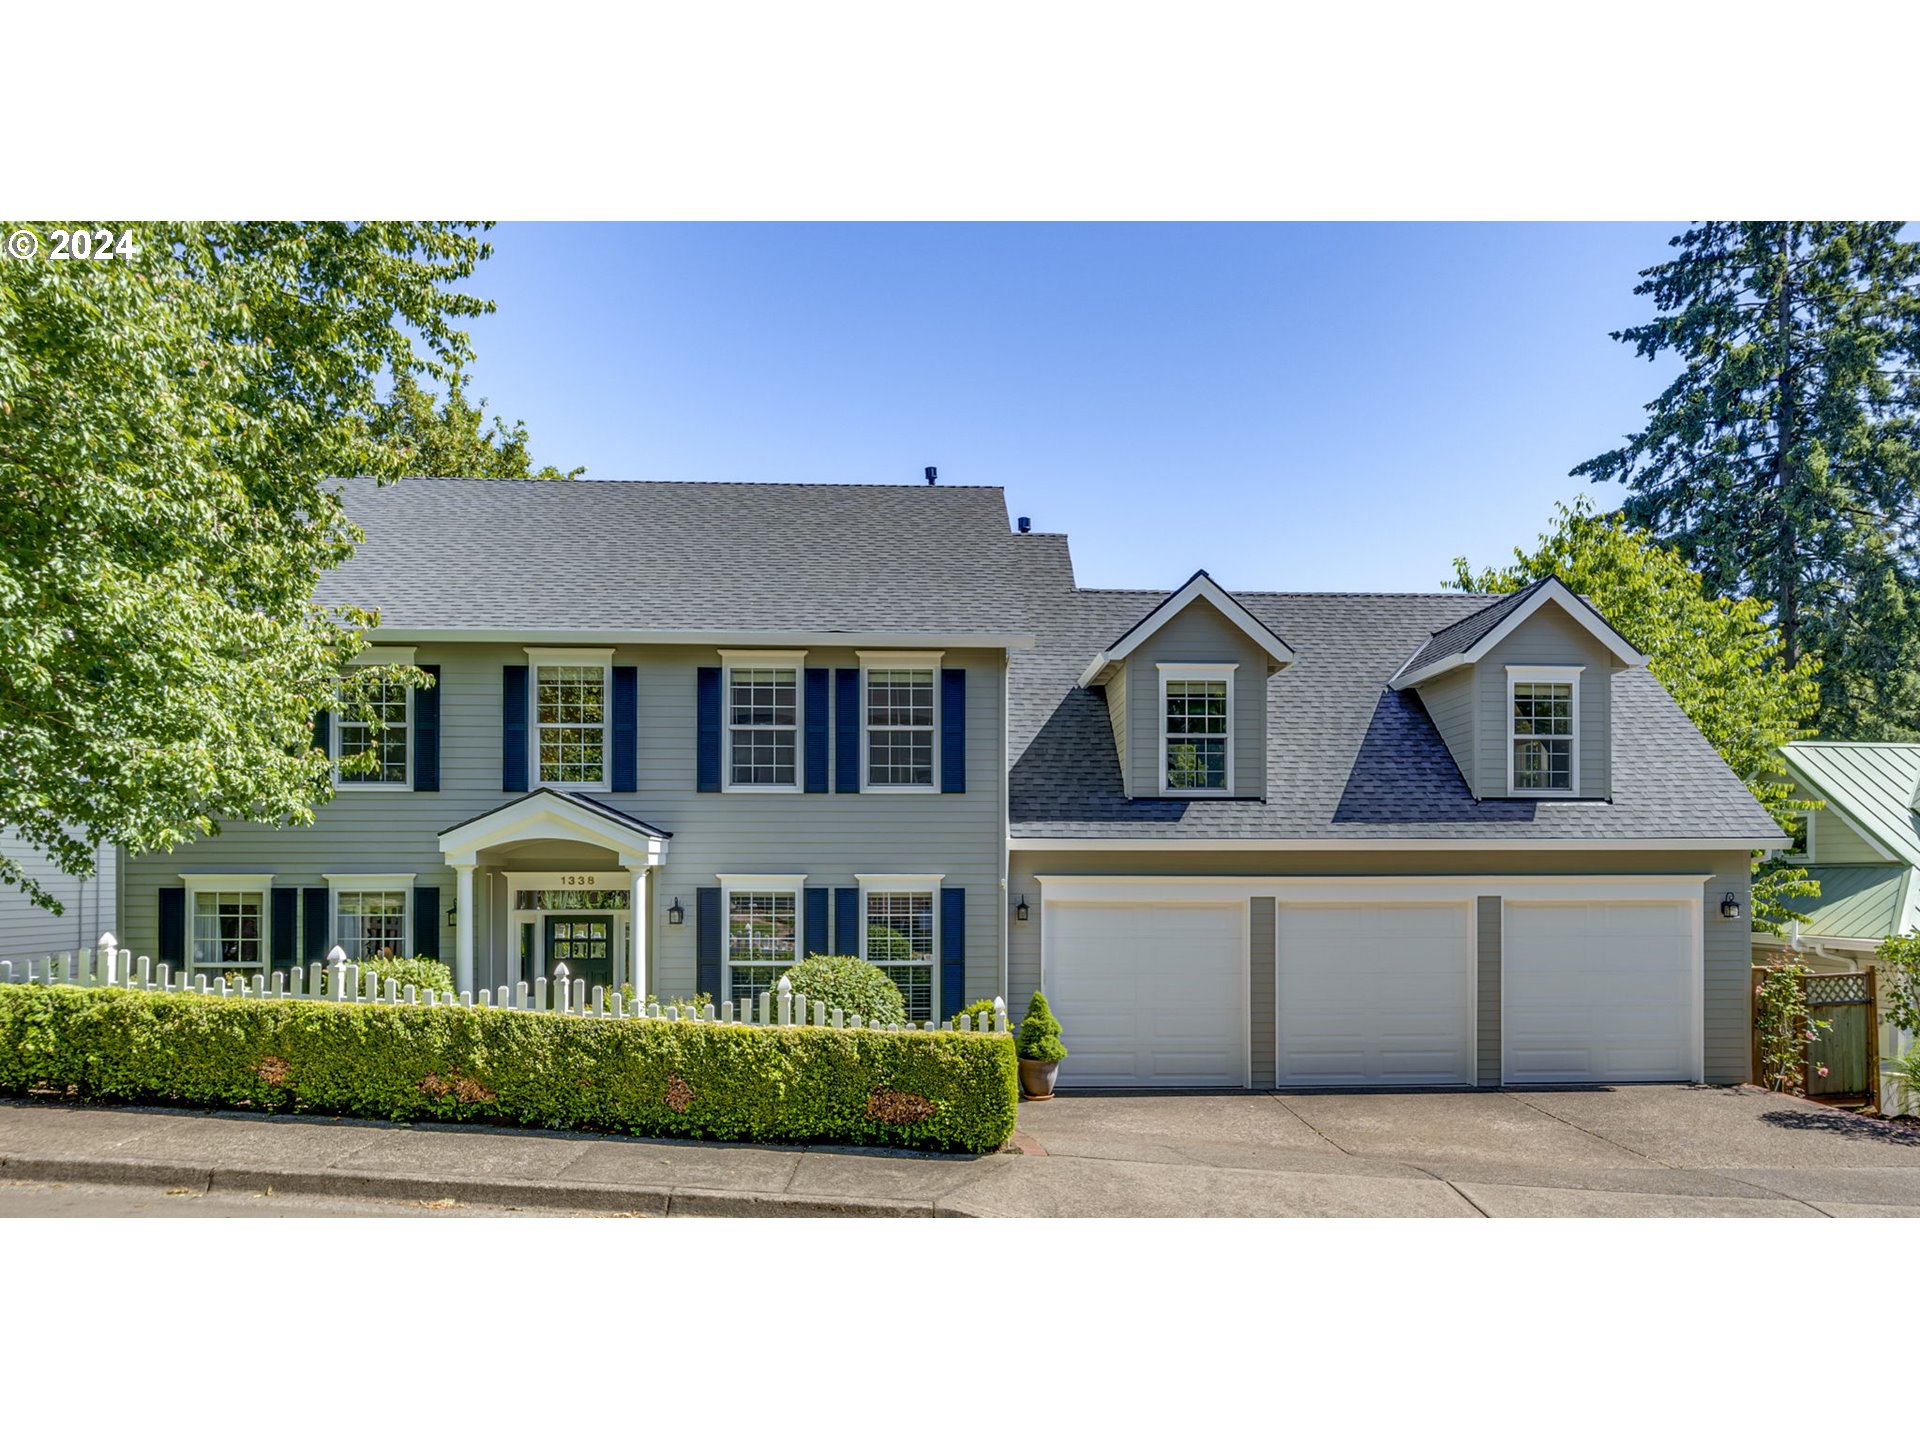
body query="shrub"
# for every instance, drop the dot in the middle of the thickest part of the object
(1039, 1034)
(852, 984)
(1784, 1025)
(1907, 1070)
(940, 1091)
(980, 1010)
(404, 970)
(1899, 957)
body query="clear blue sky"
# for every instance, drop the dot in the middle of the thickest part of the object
(1311, 407)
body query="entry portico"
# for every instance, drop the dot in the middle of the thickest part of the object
(553, 823)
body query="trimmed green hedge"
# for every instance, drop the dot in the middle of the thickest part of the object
(937, 1091)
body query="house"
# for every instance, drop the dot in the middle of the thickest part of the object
(87, 907)
(1863, 847)
(683, 733)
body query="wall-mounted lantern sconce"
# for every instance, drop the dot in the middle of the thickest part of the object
(452, 911)
(1020, 911)
(1730, 907)
(675, 914)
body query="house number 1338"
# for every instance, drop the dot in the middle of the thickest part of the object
(588, 881)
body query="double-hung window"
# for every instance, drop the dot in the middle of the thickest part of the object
(902, 717)
(899, 935)
(763, 932)
(370, 915)
(1196, 729)
(570, 717)
(1543, 753)
(382, 728)
(763, 720)
(227, 922)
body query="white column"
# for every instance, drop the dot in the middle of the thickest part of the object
(637, 926)
(465, 922)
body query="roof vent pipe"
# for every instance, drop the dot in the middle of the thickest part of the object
(933, 473)
(1026, 524)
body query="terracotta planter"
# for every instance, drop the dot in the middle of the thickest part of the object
(1036, 1078)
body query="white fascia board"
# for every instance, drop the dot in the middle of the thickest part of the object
(1367, 889)
(710, 639)
(1201, 586)
(1577, 609)
(1175, 845)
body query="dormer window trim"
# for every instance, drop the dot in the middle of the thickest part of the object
(1170, 672)
(1568, 675)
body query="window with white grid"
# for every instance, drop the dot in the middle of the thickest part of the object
(570, 724)
(763, 718)
(1196, 730)
(371, 923)
(228, 930)
(900, 728)
(1544, 733)
(762, 940)
(382, 729)
(900, 941)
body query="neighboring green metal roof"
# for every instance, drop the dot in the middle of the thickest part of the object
(1872, 785)
(1856, 901)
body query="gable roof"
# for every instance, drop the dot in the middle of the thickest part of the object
(546, 814)
(636, 561)
(1350, 760)
(1201, 586)
(1469, 638)
(1871, 785)
(1858, 902)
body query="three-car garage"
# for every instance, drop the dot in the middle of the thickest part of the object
(1418, 983)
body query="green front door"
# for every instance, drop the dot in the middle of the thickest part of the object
(584, 944)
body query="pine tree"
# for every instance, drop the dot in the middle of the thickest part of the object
(1784, 461)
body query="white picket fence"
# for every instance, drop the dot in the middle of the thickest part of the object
(342, 980)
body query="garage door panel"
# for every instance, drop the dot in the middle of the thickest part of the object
(1374, 995)
(1595, 993)
(1149, 994)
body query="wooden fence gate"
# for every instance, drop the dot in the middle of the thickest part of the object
(1850, 1049)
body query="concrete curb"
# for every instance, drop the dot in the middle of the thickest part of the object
(658, 1202)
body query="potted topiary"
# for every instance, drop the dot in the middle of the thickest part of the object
(1038, 1045)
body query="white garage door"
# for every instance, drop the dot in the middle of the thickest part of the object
(1149, 994)
(1375, 995)
(1592, 993)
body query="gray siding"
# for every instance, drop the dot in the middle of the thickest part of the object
(1198, 635)
(1487, 989)
(1262, 996)
(1449, 702)
(1116, 692)
(829, 838)
(88, 906)
(1548, 637)
(1728, 955)
(1835, 842)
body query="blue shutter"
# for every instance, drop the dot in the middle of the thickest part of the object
(706, 939)
(815, 940)
(953, 952)
(426, 733)
(846, 717)
(172, 945)
(819, 686)
(314, 904)
(513, 727)
(626, 727)
(953, 732)
(846, 920)
(284, 919)
(426, 921)
(322, 727)
(707, 766)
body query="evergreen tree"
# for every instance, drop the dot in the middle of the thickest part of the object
(1783, 462)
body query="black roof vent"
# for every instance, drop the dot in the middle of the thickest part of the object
(933, 473)
(1025, 523)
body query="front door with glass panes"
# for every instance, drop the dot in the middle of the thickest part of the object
(584, 944)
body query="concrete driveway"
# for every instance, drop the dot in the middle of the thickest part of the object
(1666, 1150)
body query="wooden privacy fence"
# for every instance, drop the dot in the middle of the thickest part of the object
(1849, 1049)
(341, 980)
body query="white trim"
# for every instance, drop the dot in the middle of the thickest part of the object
(569, 654)
(900, 882)
(370, 882)
(1568, 675)
(871, 660)
(794, 885)
(538, 816)
(338, 720)
(579, 659)
(1581, 613)
(1179, 672)
(358, 883)
(258, 885)
(708, 639)
(1492, 844)
(794, 660)
(225, 881)
(764, 882)
(1201, 586)
(1864, 832)
(384, 655)
(1347, 889)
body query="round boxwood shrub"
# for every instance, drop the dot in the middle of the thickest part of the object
(852, 984)
(1039, 1035)
(404, 970)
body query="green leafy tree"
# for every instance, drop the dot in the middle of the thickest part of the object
(1720, 659)
(1784, 458)
(168, 424)
(453, 437)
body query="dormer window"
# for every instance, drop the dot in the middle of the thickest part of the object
(1196, 729)
(1543, 755)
